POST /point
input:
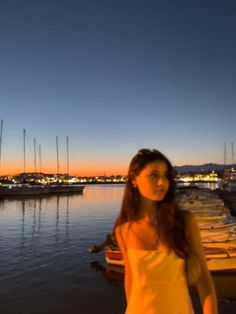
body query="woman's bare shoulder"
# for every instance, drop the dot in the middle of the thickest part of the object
(123, 228)
(121, 235)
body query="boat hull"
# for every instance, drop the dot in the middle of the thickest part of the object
(66, 188)
(217, 259)
(22, 190)
(34, 190)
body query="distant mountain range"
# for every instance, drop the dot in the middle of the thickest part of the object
(202, 168)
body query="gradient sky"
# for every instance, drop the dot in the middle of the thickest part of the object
(116, 76)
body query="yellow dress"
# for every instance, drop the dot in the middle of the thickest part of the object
(158, 283)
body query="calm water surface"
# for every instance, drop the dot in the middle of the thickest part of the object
(45, 267)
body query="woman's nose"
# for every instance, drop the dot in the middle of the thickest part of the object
(161, 180)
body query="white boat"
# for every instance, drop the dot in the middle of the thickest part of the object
(217, 260)
(215, 234)
(220, 238)
(218, 226)
(202, 204)
(212, 219)
(217, 230)
(227, 245)
(222, 264)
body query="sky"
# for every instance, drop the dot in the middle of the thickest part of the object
(116, 76)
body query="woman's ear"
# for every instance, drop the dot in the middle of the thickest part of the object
(134, 183)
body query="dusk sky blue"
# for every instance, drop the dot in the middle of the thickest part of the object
(116, 76)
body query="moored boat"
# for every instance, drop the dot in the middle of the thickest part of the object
(214, 235)
(22, 190)
(217, 259)
(66, 188)
(227, 245)
(218, 226)
(219, 238)
(34, 190)
(222, 264)
(217, 230)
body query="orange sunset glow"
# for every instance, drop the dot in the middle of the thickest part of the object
(83, 169)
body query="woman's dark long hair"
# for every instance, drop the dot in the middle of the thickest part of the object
(170, 220)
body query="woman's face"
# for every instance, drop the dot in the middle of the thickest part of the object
(152, 182)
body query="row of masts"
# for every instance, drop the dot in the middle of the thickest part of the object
(40, 155)
(35, 152)
(35, 155)
(67, 153)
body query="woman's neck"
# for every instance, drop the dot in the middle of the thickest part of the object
(147, 210)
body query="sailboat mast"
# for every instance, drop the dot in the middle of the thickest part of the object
(35, 164)
(24, 149)
(67, 151)
(57, 155)
(1, 143)
(40, 159)
(225, 160)
(232, 146)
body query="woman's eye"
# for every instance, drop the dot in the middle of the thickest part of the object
(154, 176)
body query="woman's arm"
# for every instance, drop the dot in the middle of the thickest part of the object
(205, 285)
(120, 236)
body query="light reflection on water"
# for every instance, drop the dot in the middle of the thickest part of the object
(44, 260)
(45, 266)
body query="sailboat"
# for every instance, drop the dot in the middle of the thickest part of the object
(26, 189)
(64, 187)
(229, 177)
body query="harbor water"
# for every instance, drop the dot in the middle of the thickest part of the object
(45, 266)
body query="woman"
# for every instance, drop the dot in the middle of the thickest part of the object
(156, 238)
